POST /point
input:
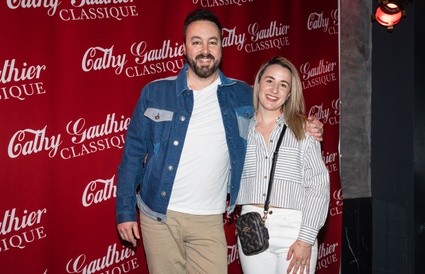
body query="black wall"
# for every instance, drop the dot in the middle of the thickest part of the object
(397, 145)
(392, 147)
(419, 139)
(385, 233)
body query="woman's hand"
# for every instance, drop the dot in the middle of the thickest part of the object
(299, 254)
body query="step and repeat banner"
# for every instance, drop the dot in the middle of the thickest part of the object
(71, 72)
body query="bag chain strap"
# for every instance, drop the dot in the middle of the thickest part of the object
(276, 152)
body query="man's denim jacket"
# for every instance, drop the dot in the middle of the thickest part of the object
(155, 137)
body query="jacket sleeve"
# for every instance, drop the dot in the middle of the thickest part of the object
(130, 170)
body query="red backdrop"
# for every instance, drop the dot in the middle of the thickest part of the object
(70, 75)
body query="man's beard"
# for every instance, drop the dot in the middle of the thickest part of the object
(203, 71)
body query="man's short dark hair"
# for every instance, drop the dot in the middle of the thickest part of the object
(201, 15)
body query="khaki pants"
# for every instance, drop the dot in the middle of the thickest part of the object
(185, 244)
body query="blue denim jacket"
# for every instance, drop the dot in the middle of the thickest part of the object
(155, 137)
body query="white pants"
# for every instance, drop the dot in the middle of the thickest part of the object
(284, 226)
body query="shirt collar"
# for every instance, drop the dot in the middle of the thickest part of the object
(280, 120)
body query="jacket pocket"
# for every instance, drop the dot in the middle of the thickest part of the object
(159, 115)
(243, 115)
(161, 126)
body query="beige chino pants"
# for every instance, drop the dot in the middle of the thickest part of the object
(185, 244)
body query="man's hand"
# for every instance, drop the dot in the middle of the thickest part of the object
(314, 128)
(129, 231)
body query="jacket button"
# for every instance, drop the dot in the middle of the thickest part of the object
(182, 118)
(170, 168)
(163, 194)
(176, 143)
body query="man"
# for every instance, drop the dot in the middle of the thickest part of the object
(184, 151)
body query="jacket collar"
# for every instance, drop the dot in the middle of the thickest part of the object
(181, 81)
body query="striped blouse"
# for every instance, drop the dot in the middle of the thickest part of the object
(301, 179)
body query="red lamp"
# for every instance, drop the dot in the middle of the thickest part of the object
(389, 13)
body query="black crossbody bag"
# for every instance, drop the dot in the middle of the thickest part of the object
(250, 227)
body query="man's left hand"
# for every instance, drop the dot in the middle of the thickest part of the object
(314, 128)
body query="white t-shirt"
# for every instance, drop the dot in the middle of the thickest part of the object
(201, 181)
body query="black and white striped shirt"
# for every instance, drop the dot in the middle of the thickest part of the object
(301, 179)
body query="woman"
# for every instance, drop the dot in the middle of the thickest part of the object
(300, 193)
